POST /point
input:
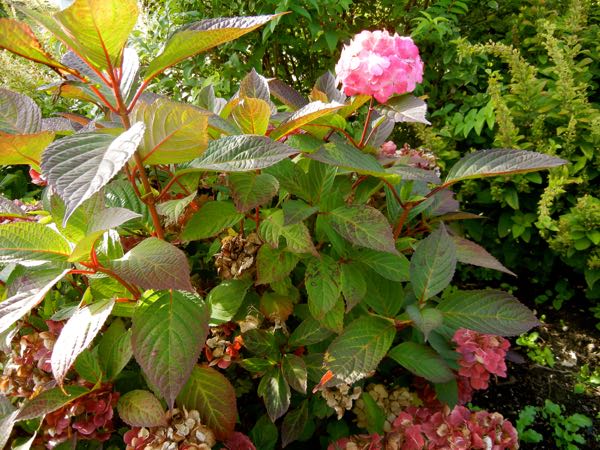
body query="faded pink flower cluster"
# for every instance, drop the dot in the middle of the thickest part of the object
(481, 355)
(379, 64)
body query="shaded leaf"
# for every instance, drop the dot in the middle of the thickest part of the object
(88, 367)
(273, 264)
(295, 211)
(139, 408)
(275, 392)
(286, 94)
(294, 423)
(394, 267)
(353, 284)
(423, 361)
(250, 190)
(114, 349)
(18, 113)
(323, 285)
(309, 332)
(226, 298)
(415, 173)
(212, 218)
(468, 252)
(49, 401)
(426, 320)
(294, 372)
(374, 413)
(384, 296)
(255, 86)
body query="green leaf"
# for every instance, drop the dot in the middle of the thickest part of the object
(88, 367)
(487, 311)
(174, 209)
(298, 239)
(114, 349)
(294, 372)
(294, 423)
(255, 86)
(309, 332)
(405, 108)
(200, 36)
(212, 218)
(295, 211)
(500, 161)
(346, 156)
(468, 252)
(167, 337)
(433, 263)
(273, 264)
(31, 243)
(394, 267)
(18, 113)
(250, 190)
(155, 264)
(240, 154)
(375, 415)
(323, 285)
(426, 320)
(175, 132)
(31, 288)
(286, 94)
(447, 392)
(23, 148)
(120, 193)
(407, 173)
(261, 343)
(79, 165)
(303, 116)
(364, 226)
(210, 393)
(275, 392)
(256, 365)
(353, 284)
(359, 349)
(139, 408)
(79, 332)
(226, 298)
(423, 361)
(17, 37)
(50, 400)
(334, 318)
(95, 29)
(252, 115)
(385, 297)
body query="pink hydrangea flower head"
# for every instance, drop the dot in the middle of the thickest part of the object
(379, 64)
(480, 356)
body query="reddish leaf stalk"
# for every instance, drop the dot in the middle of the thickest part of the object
(363, 138)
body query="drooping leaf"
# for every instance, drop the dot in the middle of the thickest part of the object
(273, 264)
(17, 37)
(78, 166)
(468, 252)
(95, 29)
(294, 423)
(50, 400)
(432, 265)
(201, 36)
(364, 226)
(394, 267)
(167, 336)
(360, 348)
(426, 320)
(487, 311)
(241, 154)
(23, 148)
(31, 243)
(79, 332)
(18, 113)
(323, 285)
(175, 132)
(250, 190)
(303, 116)
(114, 349)
(226, 298)
(155, 264)
(139, 408)
(209, 392)
(31, 288)
(294, 372)
(212, 218)
(500, 161)
(405, 108)
(275, 392)
(423, 361)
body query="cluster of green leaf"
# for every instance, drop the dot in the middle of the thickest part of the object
(536, 351)
(264, 218)
(566, 431)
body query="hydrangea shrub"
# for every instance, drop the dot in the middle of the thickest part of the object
(239, 273)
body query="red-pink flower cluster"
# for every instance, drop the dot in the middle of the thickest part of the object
(481, 355)
(379, 64)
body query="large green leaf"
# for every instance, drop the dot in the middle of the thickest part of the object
(94, 29)
(308, 332)
(364, 226)
(210, 393)
(78, 166)
(487, 311)
(294, 372)
(201, 36)
(79, 332)
(500, 161)
(18, 113)
(252, 115)
(226, 298)
(114, 349)
(468, 252)
(250, 190)
(276, 393)
(359, 349)
(294, 423)
(394, 267)
(155, 264)
(384, 296)
(273, 264)
(23, 148)
(212, 218)
(433, 263)
(175, 132)
(50, 400)
(167, 337)
(17, 37)
(31, 289)
(323, 285)
(255, 86)
(303, 116)
(423, 361)
(139, 408)
(31, 243)
(241, 154)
